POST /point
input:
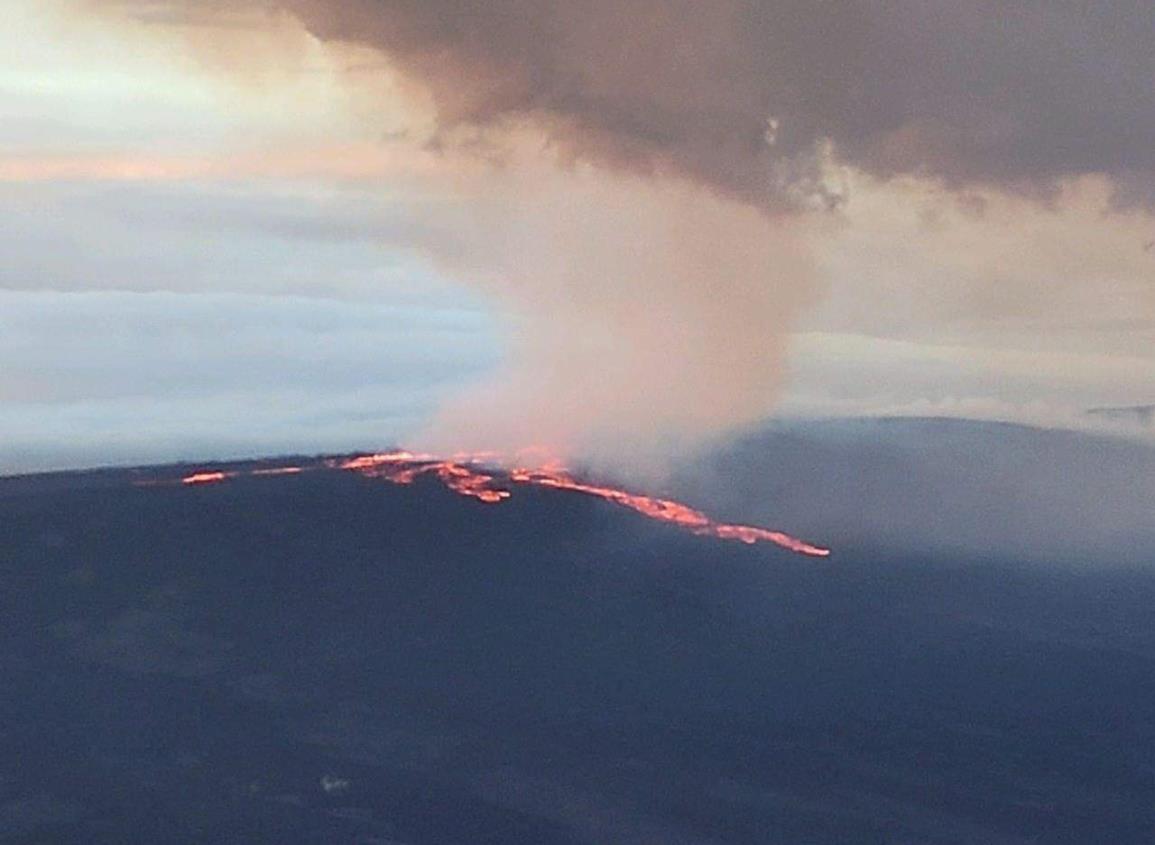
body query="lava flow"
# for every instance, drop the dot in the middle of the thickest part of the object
(467, 475)
(207, 478)
(463, 474)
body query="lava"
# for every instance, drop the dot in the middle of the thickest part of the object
(468, 475)
(463, 475)
(217, 477)
(207, 478)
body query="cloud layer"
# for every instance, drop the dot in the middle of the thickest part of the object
(105, 377)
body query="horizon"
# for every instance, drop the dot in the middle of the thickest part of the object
(1125, 429)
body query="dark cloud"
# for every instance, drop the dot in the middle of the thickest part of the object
(744, 94)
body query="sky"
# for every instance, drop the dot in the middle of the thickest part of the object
(253, 229)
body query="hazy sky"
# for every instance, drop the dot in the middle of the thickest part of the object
(236, 232)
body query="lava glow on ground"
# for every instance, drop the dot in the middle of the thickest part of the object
(471, 476)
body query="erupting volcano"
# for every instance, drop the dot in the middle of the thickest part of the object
(475, 476)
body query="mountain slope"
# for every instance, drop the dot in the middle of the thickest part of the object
(328, 658)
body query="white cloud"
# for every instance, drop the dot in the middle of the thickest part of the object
(100, 377)
(841, 374)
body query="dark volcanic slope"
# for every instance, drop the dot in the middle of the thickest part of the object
(328, 659)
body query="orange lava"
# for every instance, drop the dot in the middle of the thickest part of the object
(462, 475)
(404, 467)
(466, 474)
(218, 477)
(206, 478)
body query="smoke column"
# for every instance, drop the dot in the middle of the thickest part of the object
(647, 272)
(645, 314)
(651, 160)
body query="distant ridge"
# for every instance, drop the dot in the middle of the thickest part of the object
(1143, 415)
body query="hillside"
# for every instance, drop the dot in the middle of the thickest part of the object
(329, 658)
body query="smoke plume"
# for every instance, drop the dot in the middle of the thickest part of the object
(652, 158)
(643, 314)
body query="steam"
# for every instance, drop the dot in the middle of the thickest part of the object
(645, 315)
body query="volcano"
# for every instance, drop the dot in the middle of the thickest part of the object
(294, 651)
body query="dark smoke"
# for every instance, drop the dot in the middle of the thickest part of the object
(745, 95)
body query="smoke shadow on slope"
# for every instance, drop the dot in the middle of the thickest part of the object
(941, 489)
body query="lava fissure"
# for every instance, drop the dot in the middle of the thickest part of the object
(470, 475)
(464, 474)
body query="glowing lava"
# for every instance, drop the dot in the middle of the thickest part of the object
(467, 475)
(462, 474)
(404, 467)
(207, 478)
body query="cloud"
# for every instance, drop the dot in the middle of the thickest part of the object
(910, 260)
(992, 307)
(968, 92)
(289, 237)
(837, 374)
(360, 162)
(627, 184)
(118, 377)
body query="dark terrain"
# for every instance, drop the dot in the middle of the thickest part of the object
(326, 658)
